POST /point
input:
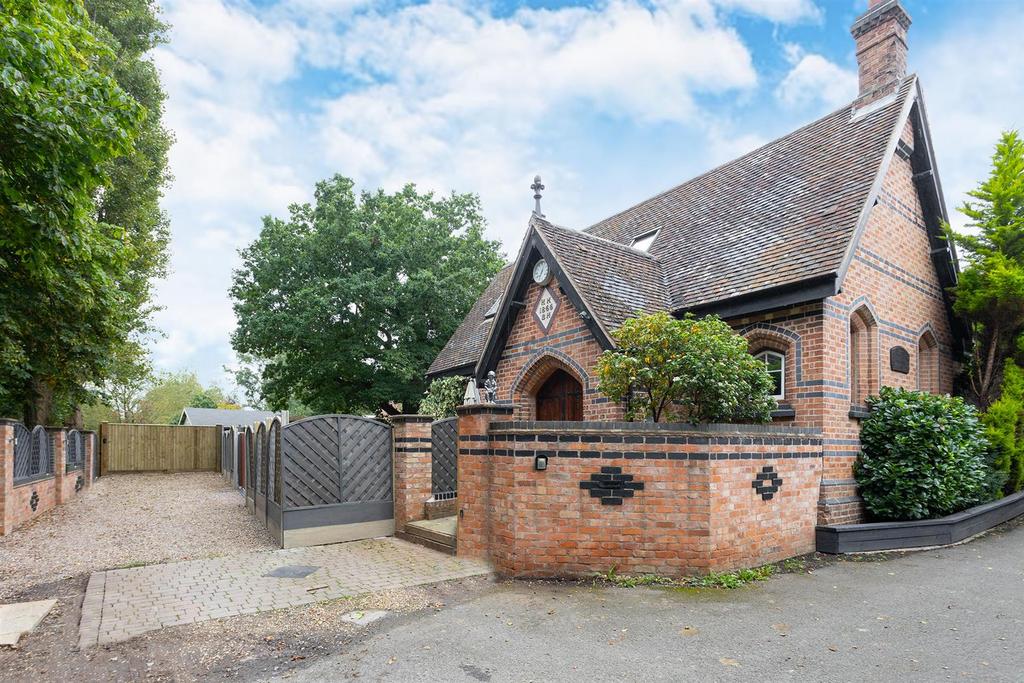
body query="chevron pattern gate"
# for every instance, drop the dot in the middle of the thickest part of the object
(336, 480)
(444, 449)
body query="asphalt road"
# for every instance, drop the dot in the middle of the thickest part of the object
(950, 614)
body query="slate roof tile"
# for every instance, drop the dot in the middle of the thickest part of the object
(782, 214)
(614, 279)
(466, 345)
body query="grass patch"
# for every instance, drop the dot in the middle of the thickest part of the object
(729, 580)
(794, 565)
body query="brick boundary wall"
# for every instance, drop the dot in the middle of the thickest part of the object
(50, 490)
(693, 506)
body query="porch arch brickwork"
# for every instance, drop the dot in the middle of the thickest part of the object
(531, 354)
(535, 372)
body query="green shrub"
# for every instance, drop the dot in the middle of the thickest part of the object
(923, 456)
(698, 366)
(443, 396)
(1004, 426)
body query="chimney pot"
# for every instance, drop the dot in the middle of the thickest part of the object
(881, 36)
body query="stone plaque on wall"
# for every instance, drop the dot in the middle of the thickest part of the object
(899, 360)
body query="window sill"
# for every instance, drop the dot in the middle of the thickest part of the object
(859, 412)
(784, 411)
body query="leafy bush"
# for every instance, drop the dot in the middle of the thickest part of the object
(1004, 426)
(923, 456)
(443, 396)
(700, 365)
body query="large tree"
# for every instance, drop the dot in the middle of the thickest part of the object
(135, 180)
(346, 303)
(73, 275)
(990, 294)
(130, 375)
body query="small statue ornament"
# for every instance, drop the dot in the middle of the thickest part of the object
(491, 387)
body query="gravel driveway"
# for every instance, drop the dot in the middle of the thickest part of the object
(129, 520)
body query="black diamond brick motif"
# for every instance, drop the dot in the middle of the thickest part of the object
(611, 485)
(767, 482)
(33, 501)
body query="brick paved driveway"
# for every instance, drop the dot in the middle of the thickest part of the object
(122, 603)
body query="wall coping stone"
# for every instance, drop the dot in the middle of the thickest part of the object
(484, 408)
(9, 421)
(655, 427)
(411, 418)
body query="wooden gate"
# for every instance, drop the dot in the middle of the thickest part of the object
(158, 448)
(335, 480)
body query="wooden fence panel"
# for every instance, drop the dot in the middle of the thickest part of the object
(158, 448)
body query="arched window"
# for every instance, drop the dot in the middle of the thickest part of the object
(775, 363)
(863, 355)
(928, 363)
(560, 398)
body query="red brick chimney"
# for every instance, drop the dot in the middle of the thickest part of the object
(881, 35)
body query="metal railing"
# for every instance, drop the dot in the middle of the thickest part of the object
(33, 454)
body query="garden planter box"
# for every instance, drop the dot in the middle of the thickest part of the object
(853, 538)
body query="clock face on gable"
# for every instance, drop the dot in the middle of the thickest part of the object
(541, 272)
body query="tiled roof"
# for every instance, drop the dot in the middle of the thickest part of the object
(467, 343)
(782, 214)
(616, 280)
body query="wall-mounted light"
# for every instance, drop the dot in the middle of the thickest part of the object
(540, 463)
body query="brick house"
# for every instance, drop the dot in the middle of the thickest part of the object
(823, 248)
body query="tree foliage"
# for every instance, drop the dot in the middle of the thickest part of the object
(922, 456)
(1004, 423)
(347, 302)
(443, 396)
(990, 294)
(74, 276)
(699, 369)
(129, 376)
(173, 392)
(136, 179)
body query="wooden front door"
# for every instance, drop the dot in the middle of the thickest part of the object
(560, 398)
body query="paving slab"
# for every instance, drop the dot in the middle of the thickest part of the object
(18, 618)
(123, 603)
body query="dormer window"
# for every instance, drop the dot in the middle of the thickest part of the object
(493, 310)
(644, 241)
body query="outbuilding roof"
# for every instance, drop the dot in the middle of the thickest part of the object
(224, 416)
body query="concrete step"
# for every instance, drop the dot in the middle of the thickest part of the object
(438, 534)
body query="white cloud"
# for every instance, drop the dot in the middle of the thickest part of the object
(973, 90)
(814, 80)
(464, 98)
(445, 94)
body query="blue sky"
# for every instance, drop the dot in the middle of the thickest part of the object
(610, 101)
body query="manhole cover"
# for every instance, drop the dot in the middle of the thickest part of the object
(292, 571)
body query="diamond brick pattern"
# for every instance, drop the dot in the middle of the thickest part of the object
(767, 482)
(611, 485)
